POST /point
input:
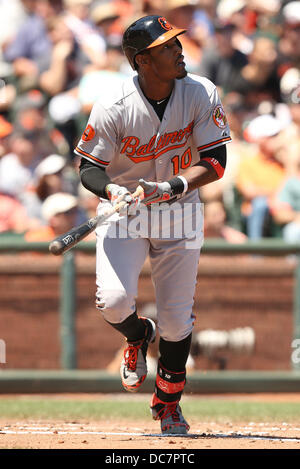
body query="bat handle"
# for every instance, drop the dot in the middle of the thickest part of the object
(139, 192)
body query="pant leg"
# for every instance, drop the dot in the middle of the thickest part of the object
(174, 273)
(174, 262)
(255, 221)
(118, 265)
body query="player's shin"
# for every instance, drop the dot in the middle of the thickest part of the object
(169, 386)
(133, 327)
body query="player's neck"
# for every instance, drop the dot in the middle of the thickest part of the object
(155, 89)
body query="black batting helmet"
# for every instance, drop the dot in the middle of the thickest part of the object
(147, 32)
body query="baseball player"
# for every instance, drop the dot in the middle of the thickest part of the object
(164, 130)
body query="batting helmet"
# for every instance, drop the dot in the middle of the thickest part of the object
(147, 32)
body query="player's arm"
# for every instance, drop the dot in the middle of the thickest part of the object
(95, 179)
(210, 168)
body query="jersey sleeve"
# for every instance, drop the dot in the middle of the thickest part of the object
(211, 128)
(98, 141)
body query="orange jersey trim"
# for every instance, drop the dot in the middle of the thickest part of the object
(105, 163)
(226, 139)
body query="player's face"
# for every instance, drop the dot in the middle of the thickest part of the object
(167, 60)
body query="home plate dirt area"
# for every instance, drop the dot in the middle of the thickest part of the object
(144, 433)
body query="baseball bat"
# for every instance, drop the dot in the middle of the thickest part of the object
(72, 237)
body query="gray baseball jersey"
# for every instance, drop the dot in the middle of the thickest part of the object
(128, 139)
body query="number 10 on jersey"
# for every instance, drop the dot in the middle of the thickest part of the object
(182, 162)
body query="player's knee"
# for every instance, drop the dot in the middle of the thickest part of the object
(115, 305)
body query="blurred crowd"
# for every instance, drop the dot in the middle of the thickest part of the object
(58, 57)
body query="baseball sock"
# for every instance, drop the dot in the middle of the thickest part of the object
(170, 378)
(174, 355)
(133, 327)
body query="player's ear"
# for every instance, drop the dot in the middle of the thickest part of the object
(142, 59)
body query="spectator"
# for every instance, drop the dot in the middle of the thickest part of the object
(6, 130)
(17, 167)
(28, 49)
(13, 216)
(48, 179)
(59, 212)
(105, 17)
(181, 14)
(13, 13)
(229, 11)
(31, 117)
(286, 207)
(215, 225)
(259, 79)
(66, 65)
(203, 22)
(260, 18)
(286, 204)
(224, 189)
(289, 43)
(290, 89)
(94, 84)
(87, 37)
(260, 175)
(62, 70)
(222, 63)
(236, 12)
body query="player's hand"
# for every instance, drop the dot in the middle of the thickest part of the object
(117, 194)
(155, 192)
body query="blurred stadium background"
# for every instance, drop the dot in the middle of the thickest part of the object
(56, 59)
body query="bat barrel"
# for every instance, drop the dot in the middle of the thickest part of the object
(66, 241)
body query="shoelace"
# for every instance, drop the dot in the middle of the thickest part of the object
(131, 353)
(170, 411)
(130, 356)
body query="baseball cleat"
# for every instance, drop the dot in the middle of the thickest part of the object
(134, 364)
(170, 416)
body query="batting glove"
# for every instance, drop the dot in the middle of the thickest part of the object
(118, 194)
(156, 192)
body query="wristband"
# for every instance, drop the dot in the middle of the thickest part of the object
(178, 185)
(186, 186)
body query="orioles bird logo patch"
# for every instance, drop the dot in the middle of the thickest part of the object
(88, 134)
(219, 117)
(164, 23)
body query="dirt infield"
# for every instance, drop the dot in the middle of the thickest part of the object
(145, 434)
